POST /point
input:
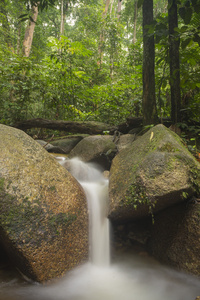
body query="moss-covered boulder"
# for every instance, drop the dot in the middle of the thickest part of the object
(68, 143)
(175, 237)
(124, 141)
(97, 148)
(154, 172)
(50, 148)
(43, 210)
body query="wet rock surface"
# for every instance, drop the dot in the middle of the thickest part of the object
(99, 149)
(154, 172)
(50, 148)
(175, 237)
(67, 144)
(43, 210)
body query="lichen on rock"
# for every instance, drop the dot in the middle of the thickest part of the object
(175, 237)
(154, 172)
(44, 219)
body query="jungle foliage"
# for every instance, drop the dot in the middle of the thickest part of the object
(93, 71)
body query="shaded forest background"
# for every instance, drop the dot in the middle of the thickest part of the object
(84, 60)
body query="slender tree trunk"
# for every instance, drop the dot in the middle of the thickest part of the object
(69, 126)
(111, 65)
(107, 3)
(135, 22)
(28, 39)
(64, 8)
(62, 21)
(149, 98)
(99, 63)
(5, 25)
(119, 8)
(19, 37)
(111, 6)
(174, 42)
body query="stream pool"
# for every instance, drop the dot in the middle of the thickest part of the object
(130, 277)
(126, 277)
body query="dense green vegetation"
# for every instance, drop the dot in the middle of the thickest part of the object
(91, 69)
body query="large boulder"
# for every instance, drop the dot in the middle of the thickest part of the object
(175, 236)
(68, 143)
(124, 140)
(97, 148)
(154, 172)
(43, 210)
(50, 148)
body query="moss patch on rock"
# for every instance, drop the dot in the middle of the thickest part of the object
(157, 165)
(175, 237)
(44, 218)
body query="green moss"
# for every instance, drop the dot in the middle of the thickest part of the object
(168, 147)
(171, 163)
(30, 221)
(52, 188)
(5, 197)
(61, 219)
(2, 183)
(137, 196)
(195, 179)
(193, 169)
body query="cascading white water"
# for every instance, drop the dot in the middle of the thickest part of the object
(96, 189)
(99, 224)
(129, 278)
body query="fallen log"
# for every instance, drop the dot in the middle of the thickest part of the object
(89, 127)
(137, 122)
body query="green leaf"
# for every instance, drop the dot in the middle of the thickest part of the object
(31, 19)
(24, 19)
(194, 2)
(22, 16)
(187, 3)
(140, 3)
(197, 8)
(196, 38)
(42, 4)
(192, 61)
(182, 12)
(183, 29)
(185, 43)
(188, 15)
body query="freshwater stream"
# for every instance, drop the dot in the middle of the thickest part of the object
(129, 277)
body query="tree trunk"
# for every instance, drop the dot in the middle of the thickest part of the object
(174, 42)
(62, 20)
(99, 63)
(89, 127)
(64, 8)
(111, 6)
(69, 126)
(106, 8)
(119, 8)
(5, 25)
(28, 39)
(135, 22)
(19, 37)
(149, 98)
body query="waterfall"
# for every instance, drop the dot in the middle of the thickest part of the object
(130, 277)
(96, 190)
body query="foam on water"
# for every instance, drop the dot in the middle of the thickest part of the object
(129, 278)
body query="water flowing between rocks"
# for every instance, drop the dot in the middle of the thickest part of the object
(130, 277)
